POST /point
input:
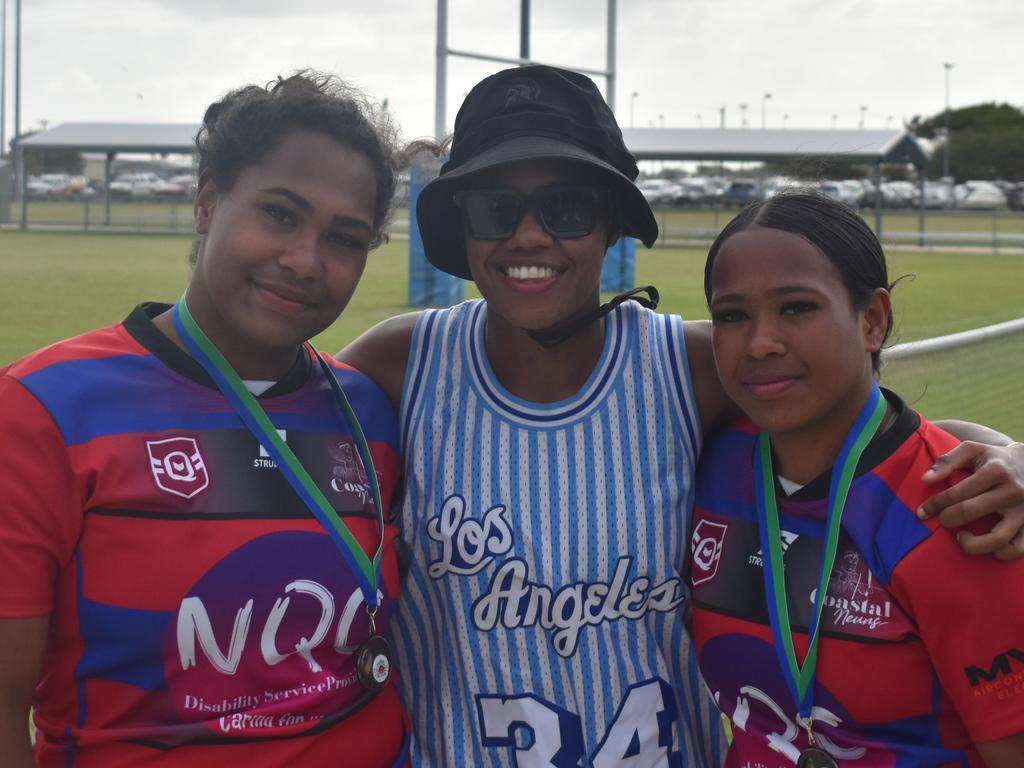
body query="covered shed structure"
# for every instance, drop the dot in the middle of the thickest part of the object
(802, 147)
(798, 146)
(110, 139)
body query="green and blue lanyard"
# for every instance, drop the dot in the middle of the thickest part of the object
(800, 678)
(365, 569)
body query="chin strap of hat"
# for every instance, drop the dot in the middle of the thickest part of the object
(562, 330)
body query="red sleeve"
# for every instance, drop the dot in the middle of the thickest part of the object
(40, 508)
(970, 614)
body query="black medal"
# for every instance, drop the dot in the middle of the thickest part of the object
(813, 757)
(374, 662)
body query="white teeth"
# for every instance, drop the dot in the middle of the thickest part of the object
(533, 272)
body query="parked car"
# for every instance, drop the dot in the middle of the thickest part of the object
(180, 187)
(658, 191)
(844, 192)
(742, 191)
(899, 194)
(1016, 198)
(695, 191)
(45, 186)
(134, 184)
(979, 196)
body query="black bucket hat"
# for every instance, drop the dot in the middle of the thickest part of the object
(521, 114)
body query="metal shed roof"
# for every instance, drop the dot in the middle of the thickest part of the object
(751, 144)
(157, 138)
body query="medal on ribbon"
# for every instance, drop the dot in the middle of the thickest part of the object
(374, 655)
(800, 678)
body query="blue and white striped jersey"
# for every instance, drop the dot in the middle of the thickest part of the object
(541, 622)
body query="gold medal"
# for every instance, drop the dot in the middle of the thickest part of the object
(813, 757)
(374, 662)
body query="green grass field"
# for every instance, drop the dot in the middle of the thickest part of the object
(59, 284)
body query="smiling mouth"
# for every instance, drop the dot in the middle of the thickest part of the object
(770, 388)
(531, 272)
(281, 300)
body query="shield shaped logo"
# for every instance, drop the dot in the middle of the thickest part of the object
(706, 546)
(177, 466)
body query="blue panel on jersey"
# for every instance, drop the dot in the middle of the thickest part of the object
(133, 393)
(124, 645)
(883, 528)
(724, 468)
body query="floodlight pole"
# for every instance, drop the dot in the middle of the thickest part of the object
(3, 78)
(443, 52)
(17, 68)
(610, 55)
(947, 65)
(524, 29)
(441, 68)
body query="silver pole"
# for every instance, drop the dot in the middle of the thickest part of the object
(948, 65)
(3, 78)
(610, 56)
(19, 166)
(17, 68)
(441, 69)
(524, 29)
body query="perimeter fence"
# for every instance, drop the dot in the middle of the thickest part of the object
(975, 375)
(984, 230)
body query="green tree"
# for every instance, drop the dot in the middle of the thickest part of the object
(53, 161)
(986, 141)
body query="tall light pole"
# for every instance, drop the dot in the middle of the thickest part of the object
(764, 102)
(863, 111)
(947, 65)
(3, 78)
(785, 119)
(835, 116)
(661, 120)
(632, 100)
(743, 115)
(700, 120)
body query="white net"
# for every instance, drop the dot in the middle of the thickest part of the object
(975, 375)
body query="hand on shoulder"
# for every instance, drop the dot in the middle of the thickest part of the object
(995, 486)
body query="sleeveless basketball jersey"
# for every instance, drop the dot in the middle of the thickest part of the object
(542, 616)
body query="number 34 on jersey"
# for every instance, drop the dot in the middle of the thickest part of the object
(540, 733)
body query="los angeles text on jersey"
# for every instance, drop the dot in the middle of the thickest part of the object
(1003, 677)
(468, 545)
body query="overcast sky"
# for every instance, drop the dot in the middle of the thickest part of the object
(165, 60)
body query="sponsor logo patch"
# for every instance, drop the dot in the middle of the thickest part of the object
(1003, 677)
(706, 548)
(177, 465)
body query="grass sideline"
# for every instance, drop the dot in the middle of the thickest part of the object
(60, 284)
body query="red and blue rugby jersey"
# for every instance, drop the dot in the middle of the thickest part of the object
(922, 646)
(195, 601)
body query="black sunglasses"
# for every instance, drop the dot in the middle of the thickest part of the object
(564, 212)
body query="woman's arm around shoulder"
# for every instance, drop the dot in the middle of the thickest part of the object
(382, 353)
(22, 648)
(714, 405)
(995, 486)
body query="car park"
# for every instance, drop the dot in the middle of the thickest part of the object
(742, 191)
(979, 196)
(180, 187)
(134, 184)
(658, 191)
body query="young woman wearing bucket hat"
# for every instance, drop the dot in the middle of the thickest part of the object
(550, 444)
